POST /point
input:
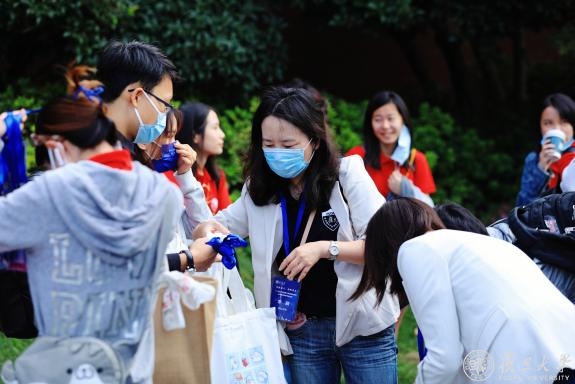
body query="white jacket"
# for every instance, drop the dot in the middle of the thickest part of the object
(264, 227)
(471, 292)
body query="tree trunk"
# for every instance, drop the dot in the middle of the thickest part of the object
(406, 41)
(450, 45)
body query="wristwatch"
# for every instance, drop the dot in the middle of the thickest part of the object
(190, 266)
(333, 250)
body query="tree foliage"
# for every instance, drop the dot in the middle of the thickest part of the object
(222, 48)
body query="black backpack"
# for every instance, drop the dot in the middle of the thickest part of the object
(16, 309)
(545, 229)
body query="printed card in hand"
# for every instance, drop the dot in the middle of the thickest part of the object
(285, 295)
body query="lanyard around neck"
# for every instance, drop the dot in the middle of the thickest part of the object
(300, 212)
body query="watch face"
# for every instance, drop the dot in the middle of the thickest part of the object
(333, 250)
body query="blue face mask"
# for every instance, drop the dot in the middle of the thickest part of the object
(150, 132)
(286, 162)
(169, 159)
(401, 152)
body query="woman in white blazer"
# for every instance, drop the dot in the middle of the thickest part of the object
(292, 160)
(485, 309)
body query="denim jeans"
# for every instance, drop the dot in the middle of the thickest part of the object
(364, 360)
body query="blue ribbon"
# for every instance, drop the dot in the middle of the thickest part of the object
(227, 248)
(13, 157)
(299, 219)
(90, 93)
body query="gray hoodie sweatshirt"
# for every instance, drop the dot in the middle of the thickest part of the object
(95, 239)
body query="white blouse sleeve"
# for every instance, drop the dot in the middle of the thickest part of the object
(197, 209)
(235, 216)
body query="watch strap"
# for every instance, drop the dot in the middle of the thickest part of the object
(190, 266)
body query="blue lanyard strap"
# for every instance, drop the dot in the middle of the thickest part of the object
(300, 212)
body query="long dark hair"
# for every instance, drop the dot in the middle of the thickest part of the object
(370, 141)
(194, 123)
(298, 107)
(393, 224)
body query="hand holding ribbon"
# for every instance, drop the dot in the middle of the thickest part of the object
(227, 248)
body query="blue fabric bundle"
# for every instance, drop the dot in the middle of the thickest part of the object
(12, 176)
(13, 157)
(227, 248)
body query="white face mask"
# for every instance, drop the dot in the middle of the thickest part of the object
(150, 132)
(57, 156)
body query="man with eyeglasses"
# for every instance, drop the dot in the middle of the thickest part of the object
(138, 87)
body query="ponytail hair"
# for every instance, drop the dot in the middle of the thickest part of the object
(78, 117)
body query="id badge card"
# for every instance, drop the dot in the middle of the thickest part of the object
(285, 295)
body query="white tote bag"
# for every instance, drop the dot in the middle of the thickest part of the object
(245, 348)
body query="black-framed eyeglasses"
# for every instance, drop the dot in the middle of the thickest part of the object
(164, 103)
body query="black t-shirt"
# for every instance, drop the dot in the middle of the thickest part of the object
(317, 295)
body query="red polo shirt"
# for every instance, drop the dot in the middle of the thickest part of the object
(422, 177)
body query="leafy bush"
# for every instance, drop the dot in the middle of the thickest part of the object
(467, 168)
(345, 120)
(236, 124)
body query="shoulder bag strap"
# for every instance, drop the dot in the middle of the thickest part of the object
(307, 227)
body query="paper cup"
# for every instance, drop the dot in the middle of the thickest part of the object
(557, 138)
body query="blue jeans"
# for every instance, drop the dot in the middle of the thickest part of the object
(364, 360)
